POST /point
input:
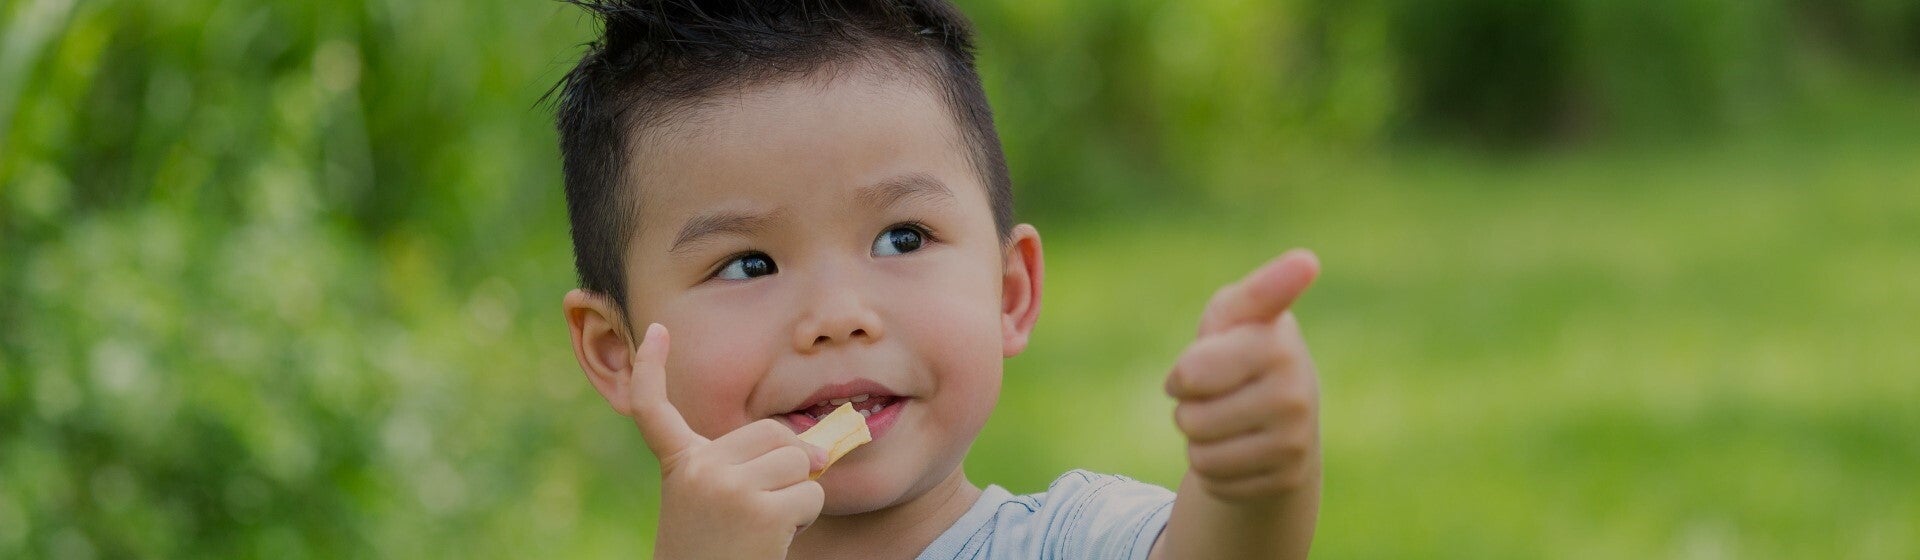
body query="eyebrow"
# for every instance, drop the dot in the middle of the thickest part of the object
(734, 223)
(884, 194)
(911, 186)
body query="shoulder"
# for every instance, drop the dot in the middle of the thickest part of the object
(1080, 495)
(1081, 515)
(1081, 484)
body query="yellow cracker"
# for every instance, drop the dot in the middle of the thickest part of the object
(838, 433)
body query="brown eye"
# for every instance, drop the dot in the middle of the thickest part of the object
(748, 266)
(897, 241)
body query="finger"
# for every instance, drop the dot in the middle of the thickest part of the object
(751, 441)
(800, 503)
(1263, 294)
(1255, 487)
(1243, 457)
(1221, 363)
(780, 468)
(1266, 402)
(666, 432)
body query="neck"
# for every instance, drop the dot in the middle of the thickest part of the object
(900, 531)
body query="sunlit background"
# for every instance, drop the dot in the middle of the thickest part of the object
(1604, 278)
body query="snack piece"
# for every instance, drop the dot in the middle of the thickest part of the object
(838, 433)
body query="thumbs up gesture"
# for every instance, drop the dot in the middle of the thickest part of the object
(743, 495)
(1247, 392)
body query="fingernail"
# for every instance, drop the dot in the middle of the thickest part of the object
(818, 455)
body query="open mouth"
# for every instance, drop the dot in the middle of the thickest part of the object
(866, 404)
(880, 410)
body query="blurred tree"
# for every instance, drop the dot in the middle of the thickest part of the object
(1498, 71)
(276, 278)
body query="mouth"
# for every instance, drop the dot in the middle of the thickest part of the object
(867, 404)
(880, 406)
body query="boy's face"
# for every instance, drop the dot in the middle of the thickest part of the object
(825, 238)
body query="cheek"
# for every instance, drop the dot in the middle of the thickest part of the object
(712, 370)
(957, 329)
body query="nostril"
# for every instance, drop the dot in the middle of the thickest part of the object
(857, 332)
(821, 339)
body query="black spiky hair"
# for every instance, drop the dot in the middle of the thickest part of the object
(654, 59)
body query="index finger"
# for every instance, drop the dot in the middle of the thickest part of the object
(666, 432)
(1264, 294)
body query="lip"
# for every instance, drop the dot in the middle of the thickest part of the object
(845, 389)
(878, 424)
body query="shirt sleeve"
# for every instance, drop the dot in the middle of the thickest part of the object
(1093, 516)
(1081, 516)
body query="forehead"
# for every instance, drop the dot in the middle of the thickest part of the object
(823, 135)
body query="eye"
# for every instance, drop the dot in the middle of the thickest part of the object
(898, 240)
(747, 266)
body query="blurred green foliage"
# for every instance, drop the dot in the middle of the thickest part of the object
(1608, 279)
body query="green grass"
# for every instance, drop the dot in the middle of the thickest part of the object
(1703, 355)
(258, 299)
(1698, 353)
(1647, 353)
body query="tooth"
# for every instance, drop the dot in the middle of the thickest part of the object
(866, 413)
(876, 410)
(860, 398)
(838, 402)
(821, 403)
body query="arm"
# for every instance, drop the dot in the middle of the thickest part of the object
(1204, 526)
(1248, 400)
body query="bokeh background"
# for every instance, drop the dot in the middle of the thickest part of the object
(1604, 278)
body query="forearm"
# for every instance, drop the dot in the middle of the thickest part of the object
(1204, 526)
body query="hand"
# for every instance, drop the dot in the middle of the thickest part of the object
(1247, 392)
(744, 495)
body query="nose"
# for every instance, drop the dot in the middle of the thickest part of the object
(837, 315)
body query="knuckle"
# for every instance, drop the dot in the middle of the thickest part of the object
(1299, 409)
(1193, 360)
(1185, 417)
(1285, 405)
(1289, 479)
(704, 482)
(1293, 407)
(763, 512)
(797, 505)
(1205, 462)
(1221, 297)
(1196, 366)
(1265, 348)
(696, 466)
(1292, 454)
(1261, 335)
(791, 458)
(1176, 385)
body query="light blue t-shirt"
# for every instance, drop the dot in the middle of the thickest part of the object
(1081, 515)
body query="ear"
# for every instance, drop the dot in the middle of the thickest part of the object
(1020, 280)
(600, 344)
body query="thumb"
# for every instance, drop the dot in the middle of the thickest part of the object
(1264, 294)
(666, 432)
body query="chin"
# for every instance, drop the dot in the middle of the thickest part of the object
(864, 488)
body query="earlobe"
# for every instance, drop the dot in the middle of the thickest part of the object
(600, 344)
(1021, 277)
